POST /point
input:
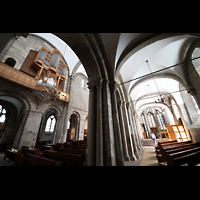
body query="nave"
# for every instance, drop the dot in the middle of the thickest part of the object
(114, 88)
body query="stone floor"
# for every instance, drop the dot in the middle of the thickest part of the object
(147, 158)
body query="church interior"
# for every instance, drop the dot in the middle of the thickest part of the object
(95, 99)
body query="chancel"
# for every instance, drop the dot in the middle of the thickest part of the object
(94, 99)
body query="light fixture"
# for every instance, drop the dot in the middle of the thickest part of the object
(162, 98)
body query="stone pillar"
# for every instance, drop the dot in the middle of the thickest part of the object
(58, 130)
(109, 152)
(121, 119)
(132, 131)
(147, 125)
(128, 134)
(20, 128)
(99, 134)
(31, 128)
(91, 135)
(136, 130)
(117, 131)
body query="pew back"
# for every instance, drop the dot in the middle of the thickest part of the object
(33, 160)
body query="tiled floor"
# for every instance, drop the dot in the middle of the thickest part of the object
(147, 158)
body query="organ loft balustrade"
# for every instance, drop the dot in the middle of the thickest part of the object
(44, 71)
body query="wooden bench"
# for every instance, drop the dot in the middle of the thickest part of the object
(173, 149)
(173, 144)
(33, 160)
(74, 151)
(35, 151)
(67, 159)
(11, 155)
(42, 148)
(56, 147)
(190, 156)
(165, 142)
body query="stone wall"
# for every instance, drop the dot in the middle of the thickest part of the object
(27, 122)
(79, 99)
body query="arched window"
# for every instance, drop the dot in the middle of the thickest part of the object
(160, 118)
(10, 61)
(151, 120)
(50, 125)
(2, 114)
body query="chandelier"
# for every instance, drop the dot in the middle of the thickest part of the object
(162, 98)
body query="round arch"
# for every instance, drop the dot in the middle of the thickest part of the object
(91, 58)
(74, 126)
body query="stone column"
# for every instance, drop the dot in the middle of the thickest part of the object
(128, 134)
(91, 135)
(99, 133)
(147, 125)
(121, 119)
(20, 128)
(117, 131)
(132, 131)
(58, 130)
(109, 152)
(31, 128)
(136, 130)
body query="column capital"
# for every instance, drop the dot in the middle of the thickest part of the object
(95, 84)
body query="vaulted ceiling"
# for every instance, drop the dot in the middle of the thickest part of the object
(127, 54)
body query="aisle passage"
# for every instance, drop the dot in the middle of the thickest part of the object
(147, 158)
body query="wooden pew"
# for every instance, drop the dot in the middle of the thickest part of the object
(33, 160)
(42, 148)
(190, 156)
(66, 158)
(173, 144)
(74, 151)
(67, 144)
(56, 147)
(35, 151)
(79, 147)
(165, 142)
(167, 150)
(10, 155)
(25, 149)
(159, 152)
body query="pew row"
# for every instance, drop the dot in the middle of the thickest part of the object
(68, 159)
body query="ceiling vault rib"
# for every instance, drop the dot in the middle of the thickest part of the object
(159, 71)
